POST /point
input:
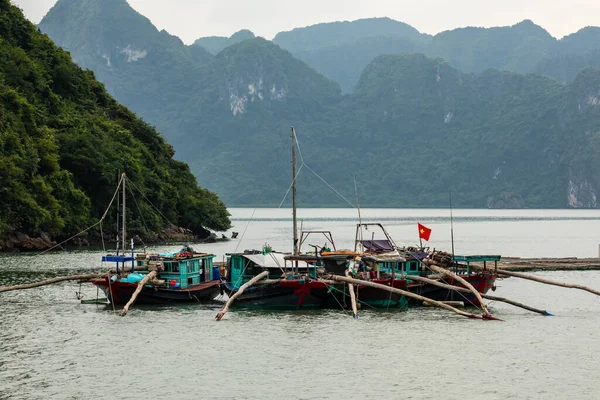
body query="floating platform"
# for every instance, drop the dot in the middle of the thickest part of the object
(548, 264)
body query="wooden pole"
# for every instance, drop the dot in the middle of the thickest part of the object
(486, 296)
(409, 294)
(85, 277)
(251, 282)
(545, 281)
(139, 288)
(294, 216)
(451, 274)
(352, 297)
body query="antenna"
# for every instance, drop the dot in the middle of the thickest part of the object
(451, 225)
(358, 207)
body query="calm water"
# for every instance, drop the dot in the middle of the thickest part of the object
(51, 346)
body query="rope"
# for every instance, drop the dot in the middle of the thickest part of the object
(246, 228)
(90, 227)
(276, 262)
(331, 187)
(331, 287)
(138, 209)
(317, 175)
(291, 184)
(344, 293)
(152, 204)
(102, 237)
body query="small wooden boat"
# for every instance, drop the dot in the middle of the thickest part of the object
(482, 280)
(185, 276)
(291, 284)
(182, 277)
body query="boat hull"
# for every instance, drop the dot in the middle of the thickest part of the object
(482, 282)
(281, 295)
(339, 296)
(121, 292)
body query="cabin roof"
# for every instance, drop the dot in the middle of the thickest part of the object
(389, 257)
(377, 245)
(272, 260)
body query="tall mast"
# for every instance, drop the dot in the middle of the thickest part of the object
(123, 216)
(294, 191)
(451, 225)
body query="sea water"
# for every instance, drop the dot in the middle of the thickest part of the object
(52, 346)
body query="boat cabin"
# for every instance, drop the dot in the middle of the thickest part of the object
(241, 267)
(181, 270)
(479, 259)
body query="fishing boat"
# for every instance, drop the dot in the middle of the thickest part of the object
(181, 277)
(289, 284)
(185, 276)
(481, 279)
(374, 260)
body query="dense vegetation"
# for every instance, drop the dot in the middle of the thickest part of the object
(64, 139)
(413, 128)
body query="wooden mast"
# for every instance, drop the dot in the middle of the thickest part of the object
(123, 219)
(295, 223)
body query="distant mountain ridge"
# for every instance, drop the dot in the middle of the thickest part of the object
(340, 51)
(413, 126)
(215, 44)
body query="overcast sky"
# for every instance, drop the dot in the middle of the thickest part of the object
(191, 19)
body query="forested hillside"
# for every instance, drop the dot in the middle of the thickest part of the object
(64, 140)
(414, 126)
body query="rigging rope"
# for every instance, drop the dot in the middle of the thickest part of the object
(303, 164)
(148, 200)
(90, 227)
(138, 209)
(291, 185)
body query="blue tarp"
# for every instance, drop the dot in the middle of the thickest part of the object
(117, 258)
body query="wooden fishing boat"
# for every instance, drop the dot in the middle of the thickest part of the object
(181, 277)
(374, 260)
(290, 285)
(185, 276)
(482, 280)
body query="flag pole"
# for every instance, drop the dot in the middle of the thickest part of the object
(451, 225)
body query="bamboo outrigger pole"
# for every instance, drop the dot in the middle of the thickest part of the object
(411, 295)
(541, 280)
(451, 274)
(85, 277)
(139, 288)
(251, 282)
(352, 297)
(485, 296)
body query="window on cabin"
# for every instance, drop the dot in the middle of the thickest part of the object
(190, 281)
(175, 267)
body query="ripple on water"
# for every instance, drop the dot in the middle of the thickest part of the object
(51, 346)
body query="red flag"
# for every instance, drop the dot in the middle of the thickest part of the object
(424, 232)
